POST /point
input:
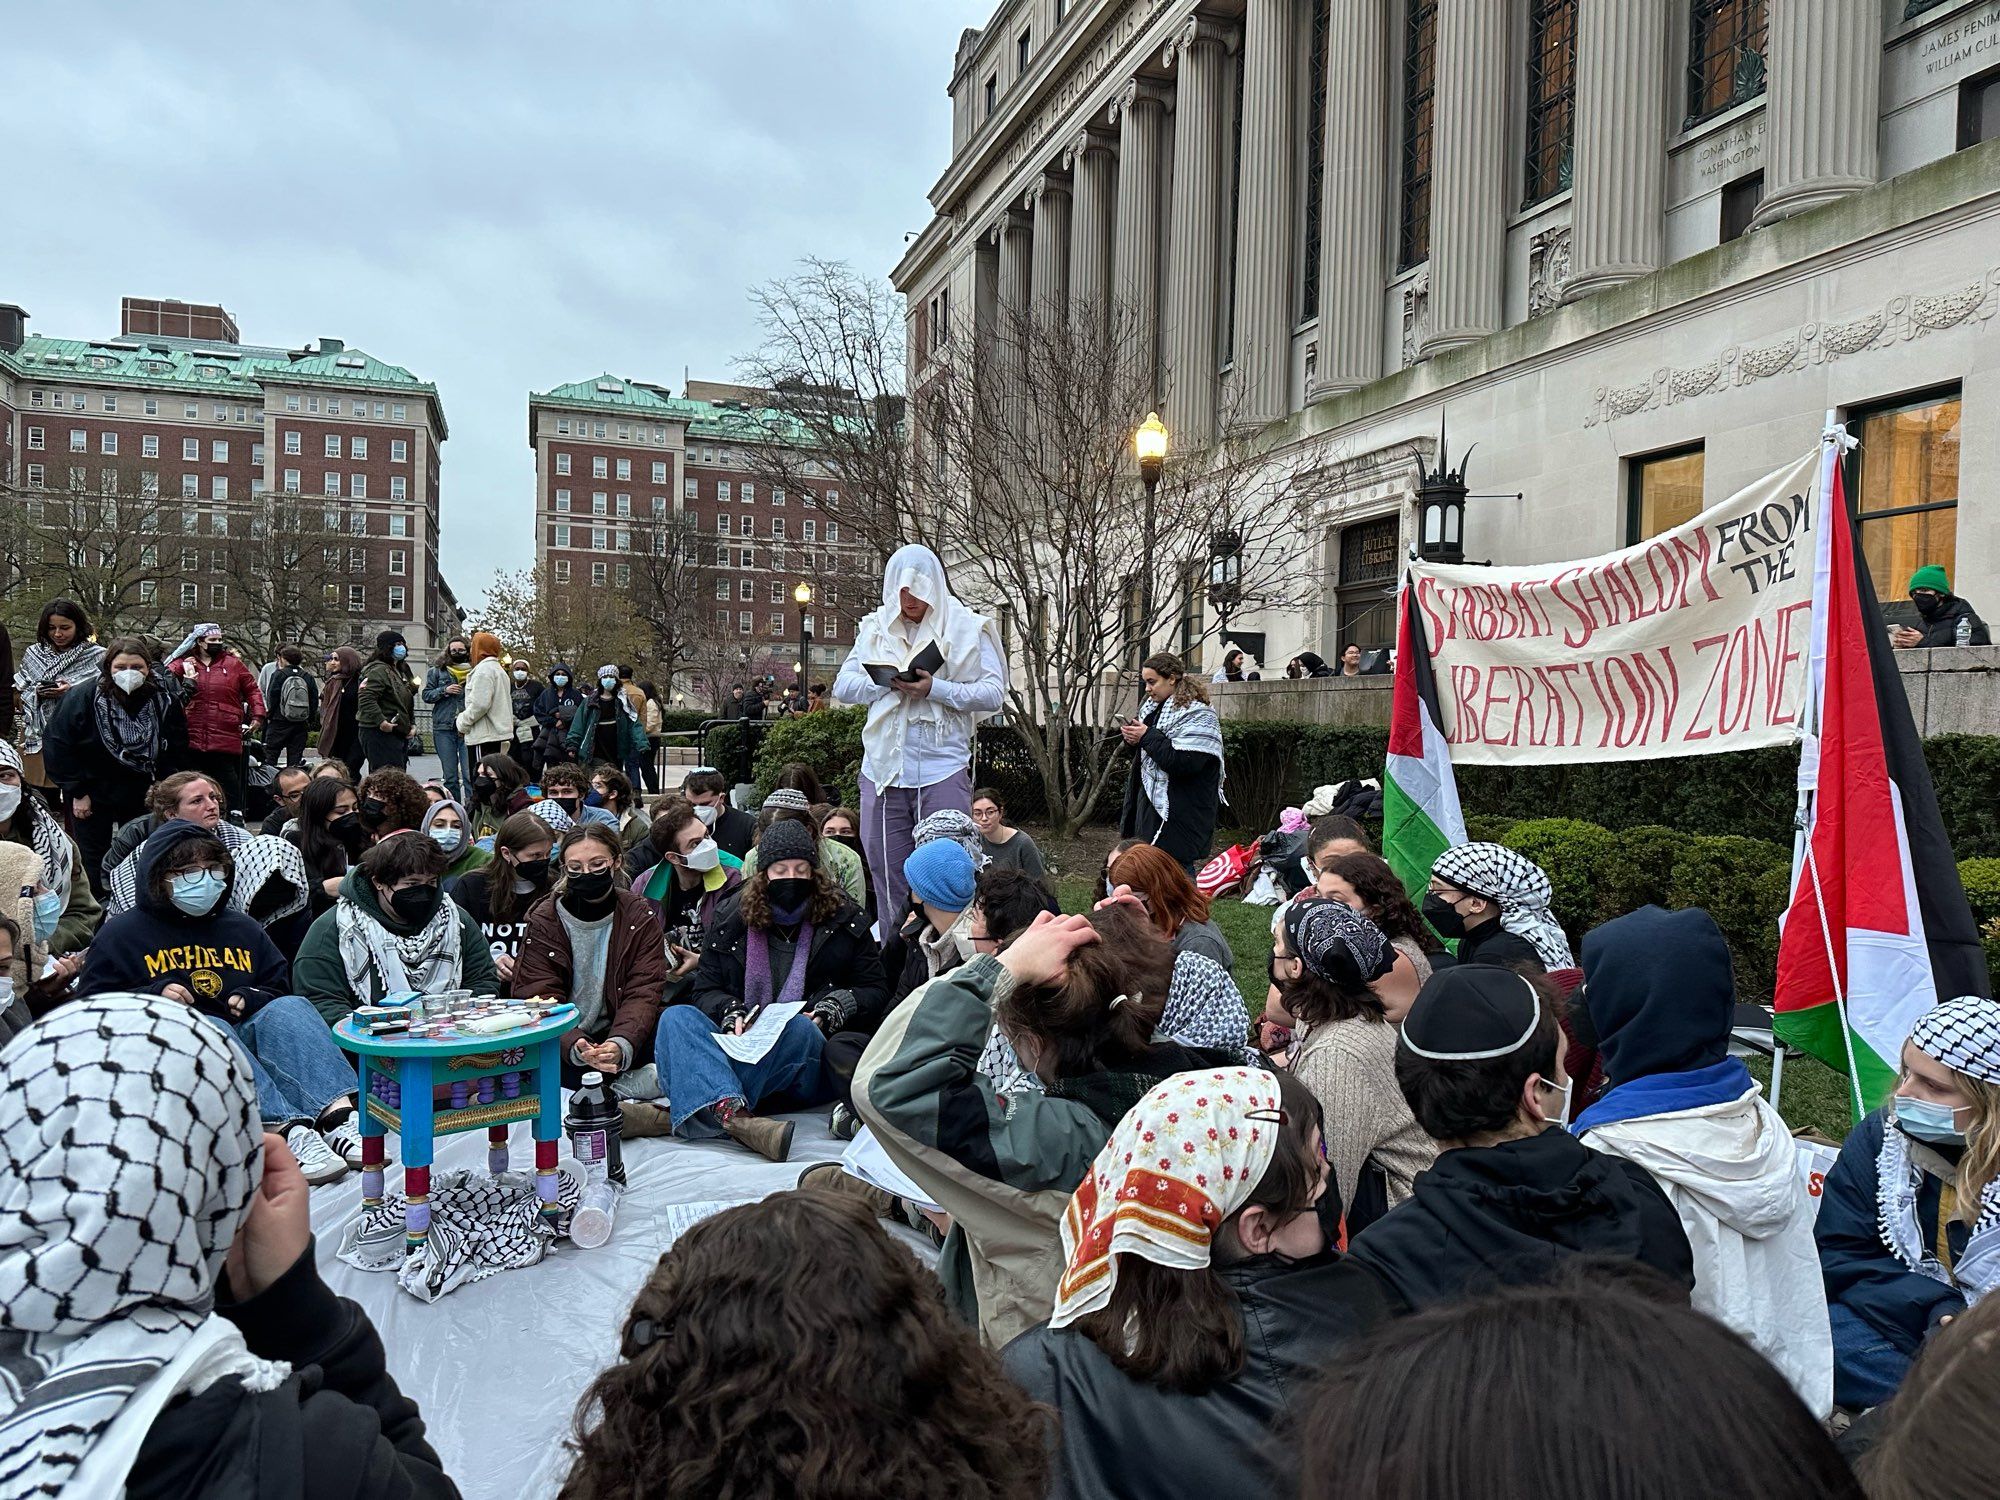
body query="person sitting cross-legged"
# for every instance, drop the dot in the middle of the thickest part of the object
(1513, 1197)
(185, 942)
(793, 939)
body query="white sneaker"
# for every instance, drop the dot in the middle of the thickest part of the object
(316, 1160)
(345, 1139)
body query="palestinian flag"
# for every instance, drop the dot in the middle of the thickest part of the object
(1420, 813)
(1878, 930)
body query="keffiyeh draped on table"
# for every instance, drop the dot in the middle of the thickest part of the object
(1184, 1159)
(480, 1226)
(132, 1147)
(1519, 885)
(1192, 726)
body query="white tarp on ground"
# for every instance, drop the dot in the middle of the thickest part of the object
(497, 1366)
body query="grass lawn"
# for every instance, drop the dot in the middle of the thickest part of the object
(1815, 1095)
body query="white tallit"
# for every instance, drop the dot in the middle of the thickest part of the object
(885, 636)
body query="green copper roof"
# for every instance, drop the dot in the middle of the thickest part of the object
(612, 393)
(715, 421)
(194, 366)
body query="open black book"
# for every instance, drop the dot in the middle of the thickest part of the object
(930, 659)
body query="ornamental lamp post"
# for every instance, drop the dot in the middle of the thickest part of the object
(1225, 574)
(1441, 510)
(803, 595)
(1149, 444)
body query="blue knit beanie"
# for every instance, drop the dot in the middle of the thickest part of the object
(941, 874)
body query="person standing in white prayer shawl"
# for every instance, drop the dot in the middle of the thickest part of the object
(916, 749)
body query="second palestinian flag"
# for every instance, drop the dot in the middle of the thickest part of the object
(1420, 812)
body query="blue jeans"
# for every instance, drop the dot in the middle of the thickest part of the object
(698, 1075)
(1867, 1368)
(450, 748)
(298, 1066)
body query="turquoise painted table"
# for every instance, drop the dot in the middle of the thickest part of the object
(425, 1087)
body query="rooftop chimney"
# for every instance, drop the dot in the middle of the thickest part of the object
(332, 346)
(180, 320)
(13, 326)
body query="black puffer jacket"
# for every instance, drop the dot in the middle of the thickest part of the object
(1121, 1437)
(337, 1429)
(1941, 629)
(843, 957)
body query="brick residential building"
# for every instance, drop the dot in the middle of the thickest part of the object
(283, 492)
(623, 465)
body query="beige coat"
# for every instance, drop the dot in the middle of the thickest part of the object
(20, 873)
(488, 715)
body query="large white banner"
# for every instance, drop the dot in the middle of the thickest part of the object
(1692, 642)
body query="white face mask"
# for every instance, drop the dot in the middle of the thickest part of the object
(707, 816)
(129, 679)
(704, 856)
(520, 676)
(1560, 1119)
(10, 800)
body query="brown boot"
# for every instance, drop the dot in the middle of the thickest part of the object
(640, 1119)
(831, 1177)
(770, 1139)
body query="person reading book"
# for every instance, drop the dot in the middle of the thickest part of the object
(928, 668)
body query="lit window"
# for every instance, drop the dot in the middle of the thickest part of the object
(1903, 485)
(1551, 97)
(1726, 49)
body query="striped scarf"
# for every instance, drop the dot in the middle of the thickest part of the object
(1190, 726)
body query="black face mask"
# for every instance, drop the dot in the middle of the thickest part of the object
(588, 893)
(1927, 607)
(852, 840)
(460, 655)
(415, 905)
(482, 788)
(374, 812)
(345, 826)
(534, 871)
(791, 895)
(1444, 918)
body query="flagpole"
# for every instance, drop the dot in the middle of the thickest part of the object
(1834, 443)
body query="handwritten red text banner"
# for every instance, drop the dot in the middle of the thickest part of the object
(1694, 641)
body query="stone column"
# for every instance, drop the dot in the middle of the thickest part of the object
(1354, 198)
(1195, 229)
(1618, 200)
(1049, 201)
(1093, 168)
(1141, 116)
(1822, 93)
(1015, 289)
(1266, 219)
(1470, 151)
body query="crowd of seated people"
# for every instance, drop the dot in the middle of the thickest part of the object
(1172, 1263)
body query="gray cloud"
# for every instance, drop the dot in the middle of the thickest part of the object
(499, 196)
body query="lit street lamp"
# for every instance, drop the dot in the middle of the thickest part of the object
(1149, 443)
(803, 595)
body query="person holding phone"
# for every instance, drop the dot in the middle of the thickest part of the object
(65, 652)
(916, 749)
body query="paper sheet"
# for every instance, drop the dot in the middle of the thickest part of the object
(763, 1033)
(865, 1158)
(679, 1218)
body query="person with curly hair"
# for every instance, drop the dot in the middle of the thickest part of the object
(705, 1400)
(1367, 884)
(392, 801)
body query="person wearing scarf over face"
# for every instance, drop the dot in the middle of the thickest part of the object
(1496, 904)
(64, 653)
(109, 740)
(189, 1348)
(65, 911)
(916, 748)
(445, 691)
(792, 939)
(1345, 986)
(1513, 1197)
(1197, 1298)
(1176, 785)
(1909, 1220)
(1661, 998)
(392, 930)
(190, 940)
(340, 710)
(597, 945)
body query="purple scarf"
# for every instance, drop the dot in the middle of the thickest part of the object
(757, 970)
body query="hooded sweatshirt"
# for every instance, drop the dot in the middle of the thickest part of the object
(1659, 992)
(1511, 1214)
(156, 944)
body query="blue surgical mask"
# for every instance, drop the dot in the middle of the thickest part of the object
(399, 652)
(48, 912)
(448, 839)
(1922, 1120)
(196, 891)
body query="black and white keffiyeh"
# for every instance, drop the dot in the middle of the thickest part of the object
(44, 666)
(480, 1226)
(122, 894)
(1191, 726)
(956, 826)
(134, 730)
(1338, 943)
(50, 841)
(1520, 886)
(427, 961)
(133, 1146)
(267, 861)
(1964, 1035)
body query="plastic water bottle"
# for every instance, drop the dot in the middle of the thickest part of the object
(590, 1225)
(1961, 633)
(594, 1130)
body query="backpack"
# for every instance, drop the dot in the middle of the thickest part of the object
(295, 698)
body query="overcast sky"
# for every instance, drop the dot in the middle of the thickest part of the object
(499, 196)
